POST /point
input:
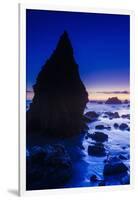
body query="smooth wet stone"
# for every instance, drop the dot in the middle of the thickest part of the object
(123, 127)
(96, 150)
(112, 115)
(99, 137)
(114, 166)
(116, 125)
(91, 115)
(102, 127)
(127, 116)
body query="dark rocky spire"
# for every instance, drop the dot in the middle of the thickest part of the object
(59, 94)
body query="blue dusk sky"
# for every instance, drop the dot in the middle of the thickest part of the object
(100, 43)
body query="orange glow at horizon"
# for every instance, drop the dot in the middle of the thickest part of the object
(96, 96)
(102, 96)
(92, 95)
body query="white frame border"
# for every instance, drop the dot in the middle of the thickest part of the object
(22, 98)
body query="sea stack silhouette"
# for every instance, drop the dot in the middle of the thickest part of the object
(60, 96)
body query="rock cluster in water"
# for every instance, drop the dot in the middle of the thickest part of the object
(115, 169)
(47, 167)
(60, 96)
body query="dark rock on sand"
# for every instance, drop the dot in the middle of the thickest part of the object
(116, 125)
(124, 127)
(48, 167)
(99, 137)
(101, 127)
(113, 100)
(96, 150)
(114, 166)
(60, 96)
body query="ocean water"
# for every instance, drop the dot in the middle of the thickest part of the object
(118, 141)
(118, 144)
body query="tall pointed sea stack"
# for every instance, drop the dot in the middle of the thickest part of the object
(59, 94)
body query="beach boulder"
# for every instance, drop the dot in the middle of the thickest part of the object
(92, 115)
(116, 125)
(114, 166)
(60, 96)
(96, 150)
(123, 127)
(99, 137)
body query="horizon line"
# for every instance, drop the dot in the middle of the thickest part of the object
(101, 92)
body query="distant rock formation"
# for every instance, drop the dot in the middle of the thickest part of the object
(113, 100)
(126, 101)
(60, 96)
